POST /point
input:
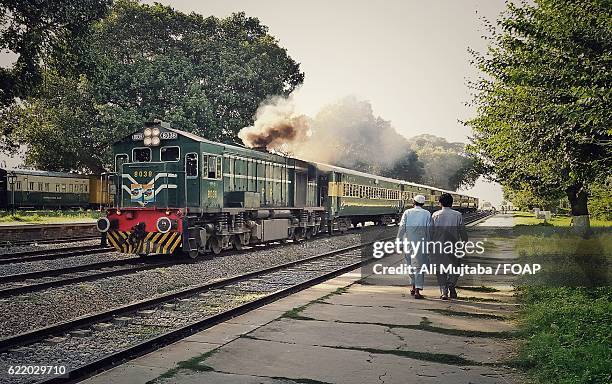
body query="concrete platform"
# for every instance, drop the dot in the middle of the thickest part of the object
(348, 330)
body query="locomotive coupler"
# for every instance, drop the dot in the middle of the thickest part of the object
(138, 234)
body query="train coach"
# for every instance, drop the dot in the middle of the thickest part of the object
(35, 189)
(180, 193)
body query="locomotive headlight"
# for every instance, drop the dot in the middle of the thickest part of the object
(103, 224)
(164, 224)
(148, 132)
(155, 131)
(147, 141)
(155, 140)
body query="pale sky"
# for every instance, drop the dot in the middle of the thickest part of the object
(408, 58)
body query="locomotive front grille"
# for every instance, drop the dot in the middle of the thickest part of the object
(153, 242)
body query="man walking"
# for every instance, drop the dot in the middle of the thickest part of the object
(415, 227)
(448, 226)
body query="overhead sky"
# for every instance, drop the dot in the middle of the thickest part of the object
(408, 58)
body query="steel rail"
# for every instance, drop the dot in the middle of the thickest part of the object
(139, 265)
(51, 254)
(8, 243)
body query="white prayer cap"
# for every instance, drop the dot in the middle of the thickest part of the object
(419, 199)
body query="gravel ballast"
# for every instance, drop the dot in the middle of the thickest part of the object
(26, 312)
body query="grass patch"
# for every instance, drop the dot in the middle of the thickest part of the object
(479, 299)
(448, 312)
(193, 364)
(570, 334)
(338, 291)
(295, 313)
(528, 218)
(482, 288)
(425, 325)
(566, 311)
(46, 217)
(426, 356)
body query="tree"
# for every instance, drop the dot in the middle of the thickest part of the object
(203, 75)
(445, 164)
(525, 200)
(38, 32)
(407, 167)
(543, 107)
(600, 201)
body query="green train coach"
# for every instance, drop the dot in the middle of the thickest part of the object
(180, 193)
(35, 189)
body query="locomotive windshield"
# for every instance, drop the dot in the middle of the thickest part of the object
(141, 155)
(169, 153)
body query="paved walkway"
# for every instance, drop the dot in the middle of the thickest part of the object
(347, 330)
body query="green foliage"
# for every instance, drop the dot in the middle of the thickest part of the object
(407, 167)
(64, 127)
(569, 334)
(566, 314)
(203, 75)
(543, 107)
(600, 202)
(41, 32)
(524, 199)
(445, 164)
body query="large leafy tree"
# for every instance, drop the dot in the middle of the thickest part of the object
(204, 75)
(543, 107)
(41, 31)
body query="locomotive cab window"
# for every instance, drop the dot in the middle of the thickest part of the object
(169, 153)
(191, 165)
(211, 167)
(141, 155)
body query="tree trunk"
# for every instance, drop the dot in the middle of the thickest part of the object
(578, 199)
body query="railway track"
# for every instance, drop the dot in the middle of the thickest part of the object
(11, 285)
(51, 254)
(14, 243)
(152, 323)
(164, 319)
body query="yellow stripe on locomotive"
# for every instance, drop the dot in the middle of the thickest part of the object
(153, 242)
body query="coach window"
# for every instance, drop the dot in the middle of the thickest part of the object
(211, 167)
(169, 153)
(46, 187)
(191, 165)
(141, 155)
(31, 185)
